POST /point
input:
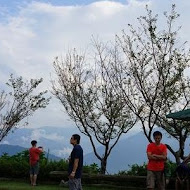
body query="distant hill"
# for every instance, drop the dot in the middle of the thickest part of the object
(15, 149)
(10, 149)
(130, 149)
(53, 139)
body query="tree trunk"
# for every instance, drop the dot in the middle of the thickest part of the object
(177, 159)
(103, 165)
(175, 154)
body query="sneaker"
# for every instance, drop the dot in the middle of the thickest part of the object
(63, 183)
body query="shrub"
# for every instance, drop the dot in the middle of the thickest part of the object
(135, 170)
(91, 169)
(18, 166)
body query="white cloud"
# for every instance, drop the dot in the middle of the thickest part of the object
(62, 153)
(39, 32)
(24, 139)
(41, 133)
(5, 142)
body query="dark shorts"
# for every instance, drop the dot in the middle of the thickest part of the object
(75, 184)
(155, 177)
(34, 169)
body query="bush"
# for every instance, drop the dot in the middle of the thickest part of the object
(91, 169)
(135, 170)
(18, 166)
(140, 170)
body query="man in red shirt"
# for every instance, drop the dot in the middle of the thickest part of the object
(157, 154)
(34, 154)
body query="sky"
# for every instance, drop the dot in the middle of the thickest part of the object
(33, 33)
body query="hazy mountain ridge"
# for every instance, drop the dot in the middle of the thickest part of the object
(15, 149)
(131, 149)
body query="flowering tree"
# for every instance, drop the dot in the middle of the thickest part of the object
(19, 103)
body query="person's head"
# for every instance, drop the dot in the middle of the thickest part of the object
(33, 142)
(157, 137)
(75, 139)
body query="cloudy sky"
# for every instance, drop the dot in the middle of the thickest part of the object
(33, 33)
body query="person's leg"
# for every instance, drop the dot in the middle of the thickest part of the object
(160, 179)
(34, 179)
(78, 184)
(31, 175)
(36, 171)
(31, 179)
(72, 184)
(177, 184)
(187, 184)
(150, 180)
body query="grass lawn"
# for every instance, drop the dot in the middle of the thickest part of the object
(13, 185)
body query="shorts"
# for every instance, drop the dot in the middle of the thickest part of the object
(155, 177)
(75, 184)
(34, 169)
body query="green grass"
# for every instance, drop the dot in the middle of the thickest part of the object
(13, 185)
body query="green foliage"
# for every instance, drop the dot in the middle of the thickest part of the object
(170, 168)
(91, 169)
(140, 170)
(135, 170)
(18, 166)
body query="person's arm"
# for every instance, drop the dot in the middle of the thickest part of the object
(75, 166)
(41, 149)
(151, 156)
(149, 153)
(161, 157)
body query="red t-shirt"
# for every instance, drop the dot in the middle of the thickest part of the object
(156, 165)
(34, 155)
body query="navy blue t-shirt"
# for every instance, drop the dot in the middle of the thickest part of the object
(77, 153)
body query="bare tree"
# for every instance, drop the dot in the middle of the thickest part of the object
(84, 89)
(19, 103)
(151, 76)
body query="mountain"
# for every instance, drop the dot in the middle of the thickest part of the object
(10, 149)
(131, 148)
(128, 151)
(55, 140)
(15, 149)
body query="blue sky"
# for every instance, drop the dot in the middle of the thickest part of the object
(33, 33)
(11, 3)
(12, 7)
(14, 4)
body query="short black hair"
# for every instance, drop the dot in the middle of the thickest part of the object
(157, 133)
(33, 142)
(76, 137)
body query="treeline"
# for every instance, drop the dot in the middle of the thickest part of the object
(17, 166)
(140, 170)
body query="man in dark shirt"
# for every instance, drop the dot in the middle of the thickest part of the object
(75, 164)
